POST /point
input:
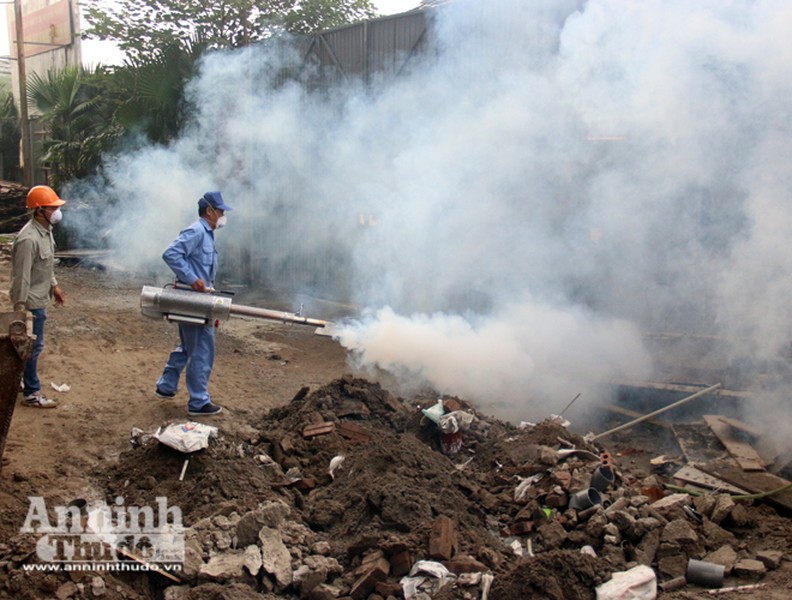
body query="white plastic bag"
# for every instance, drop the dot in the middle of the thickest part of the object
(639, 583)
(186, 437)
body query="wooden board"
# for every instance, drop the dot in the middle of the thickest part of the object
(698, 443)
(690, 474)
(756, 482)
(742, 452)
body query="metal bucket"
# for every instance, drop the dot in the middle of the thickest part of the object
(16, 344)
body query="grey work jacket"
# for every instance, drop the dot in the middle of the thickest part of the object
(33, 266)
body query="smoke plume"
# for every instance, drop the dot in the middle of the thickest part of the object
(516, 207)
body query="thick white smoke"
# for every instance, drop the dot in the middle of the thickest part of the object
(557, 177)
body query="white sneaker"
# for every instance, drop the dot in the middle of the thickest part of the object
(38, 401)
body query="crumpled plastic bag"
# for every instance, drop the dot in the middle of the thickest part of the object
(425, 579)
(639, 583)
(454, 421)
(186, 437)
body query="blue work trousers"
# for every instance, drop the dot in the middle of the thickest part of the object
(30, 378)
(196, 352)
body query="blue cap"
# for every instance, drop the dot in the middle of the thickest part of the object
(215, 200)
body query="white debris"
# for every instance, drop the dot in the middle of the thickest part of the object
(335, 462)
(64, 387)
(186, 437)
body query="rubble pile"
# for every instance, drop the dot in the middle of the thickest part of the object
(351, 492)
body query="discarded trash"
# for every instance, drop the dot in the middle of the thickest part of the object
(64, 387)
(184, 469)
(486, 584)
(434, 413)
(186, 437)
(138, 437)
(704, 573)
(639, 583)
(584, 499)
(455, 421)
(559, 420)
(602, 478)
(451, 443)
(415, 585)
(522, 489)
(335, 462)
(516, 548)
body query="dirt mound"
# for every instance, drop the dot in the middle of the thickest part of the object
(556, 575)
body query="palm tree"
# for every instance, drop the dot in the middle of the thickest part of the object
(9, 136)
(76, 120)
(153, 90)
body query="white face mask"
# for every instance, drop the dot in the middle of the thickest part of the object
(221, 222)
(55, 216)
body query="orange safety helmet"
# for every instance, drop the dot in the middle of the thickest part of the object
(42, 195)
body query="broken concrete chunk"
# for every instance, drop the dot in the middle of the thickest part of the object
(276, 559)
(177, 592)
(770, 558)
(741, 516)
(193, 559)
(704, 504)
(679, 531)
(553, 535)
(725, 556)
(722, 509)
(268, 514)
(671, 501)
(252, 560)
(715, 535)
(646, 550)
(673, 566)
(748, 567)
(224, 567)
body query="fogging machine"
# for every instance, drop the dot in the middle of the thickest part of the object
(184, 305)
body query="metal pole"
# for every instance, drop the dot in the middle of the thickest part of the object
(711, 388)
(27, 154)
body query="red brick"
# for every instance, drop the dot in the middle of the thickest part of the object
(451, 404)
(465, 564)
(318, 429)
(386, 588)
(355, 432)
(377, 571)
(401, 563)
(442, 539)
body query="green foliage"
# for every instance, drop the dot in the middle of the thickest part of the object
(9, 135)
(152, 89)
(78, 124)
(311, 16)
(143, 26)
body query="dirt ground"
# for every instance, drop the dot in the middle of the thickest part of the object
(272, 380)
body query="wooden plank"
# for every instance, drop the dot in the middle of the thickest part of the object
(742, 452)
(691, 474)
(756, 482)
(698, 443)
(681, 388)
(741, 425)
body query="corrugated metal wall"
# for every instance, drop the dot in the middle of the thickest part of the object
(375, 52)
(382, 47)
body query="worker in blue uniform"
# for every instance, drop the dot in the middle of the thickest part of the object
(193, 258)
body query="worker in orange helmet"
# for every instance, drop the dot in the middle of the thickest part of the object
(33, 283)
